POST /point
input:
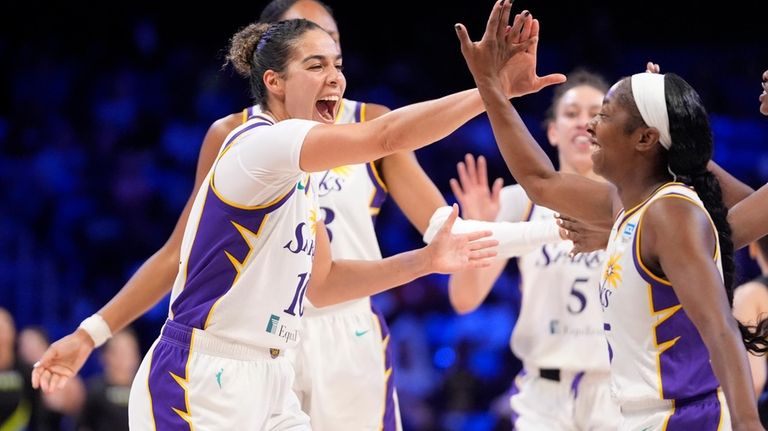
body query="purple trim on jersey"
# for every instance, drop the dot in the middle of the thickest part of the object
(210, 273)
(529, 211)
(684, 367)
(358, 111)
(575, 384)
(701, 414)
(170, 356)
(306, 186)
(380, 194)
(243, 130)
(389, 420)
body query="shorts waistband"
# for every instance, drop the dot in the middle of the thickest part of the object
(354, 307)
(563, 375)
(198, 340)
(640, 405)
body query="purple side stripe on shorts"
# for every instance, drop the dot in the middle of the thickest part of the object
(168, 393)
(575, 384)
(703, 414)
(389, 419)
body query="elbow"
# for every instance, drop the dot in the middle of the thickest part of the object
(316, 297)
(462, 305)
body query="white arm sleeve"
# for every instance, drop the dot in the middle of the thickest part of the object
(263, 163)
(515, 239)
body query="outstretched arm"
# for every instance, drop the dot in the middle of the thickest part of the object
(410, 187)
(410, 127)
(144, 289)
(749, 218)
(582, 198)
(338, 281)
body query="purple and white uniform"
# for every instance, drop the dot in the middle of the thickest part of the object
(565, 383)
(343, 365)
(235, 307)
(660, 369)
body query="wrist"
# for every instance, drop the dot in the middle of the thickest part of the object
(97, 329)
(422, 259)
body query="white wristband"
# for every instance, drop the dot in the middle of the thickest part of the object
(97, 328)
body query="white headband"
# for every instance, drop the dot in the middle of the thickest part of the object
(648, 91)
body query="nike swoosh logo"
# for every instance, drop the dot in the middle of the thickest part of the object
(361, 333)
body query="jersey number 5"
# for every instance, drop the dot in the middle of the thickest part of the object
(580, 298)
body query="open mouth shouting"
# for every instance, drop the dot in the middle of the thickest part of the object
(326, 108)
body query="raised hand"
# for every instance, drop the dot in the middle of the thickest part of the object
(585, 237)
(477, 200)
(652, 67)
(61, 361)
(505, 53)
(450, 252)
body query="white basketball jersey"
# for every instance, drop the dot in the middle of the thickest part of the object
(656, 351)
(350, 198)
(246, 260)
(560, 323)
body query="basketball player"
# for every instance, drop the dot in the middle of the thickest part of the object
(672, 339)
(256, 224)
(558, 336)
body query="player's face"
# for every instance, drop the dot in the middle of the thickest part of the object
(314, 83)
(610, 141)
(568, 131)
(313, 11)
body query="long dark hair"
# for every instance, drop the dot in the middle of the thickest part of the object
(687, 157)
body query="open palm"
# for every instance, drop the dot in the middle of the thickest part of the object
(449, 252)
(507, 53)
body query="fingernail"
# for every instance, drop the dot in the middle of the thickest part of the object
(456, 26)
(526, 13)
(37, 364)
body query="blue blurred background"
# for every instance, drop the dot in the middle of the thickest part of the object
(103, 109)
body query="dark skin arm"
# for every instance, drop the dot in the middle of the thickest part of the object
(734, 191)
(414, 193)
(697, 284)
(749, 218)
(588, 238)
(591, 201)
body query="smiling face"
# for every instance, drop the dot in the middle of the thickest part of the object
(568, 130)
(313, 81)
(611, 141)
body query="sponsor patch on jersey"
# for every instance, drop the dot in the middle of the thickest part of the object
(629, 230)
(272, 325)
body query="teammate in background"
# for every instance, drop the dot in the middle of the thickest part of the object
(352, 385)
(672, 338)
(258, 213)
(558, 336)
(106, 405)
(350, 197)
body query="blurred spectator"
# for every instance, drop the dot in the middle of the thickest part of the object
(106, 406)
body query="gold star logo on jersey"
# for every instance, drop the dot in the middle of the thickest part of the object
(313, 221)
(342, 171)
(612, 273)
